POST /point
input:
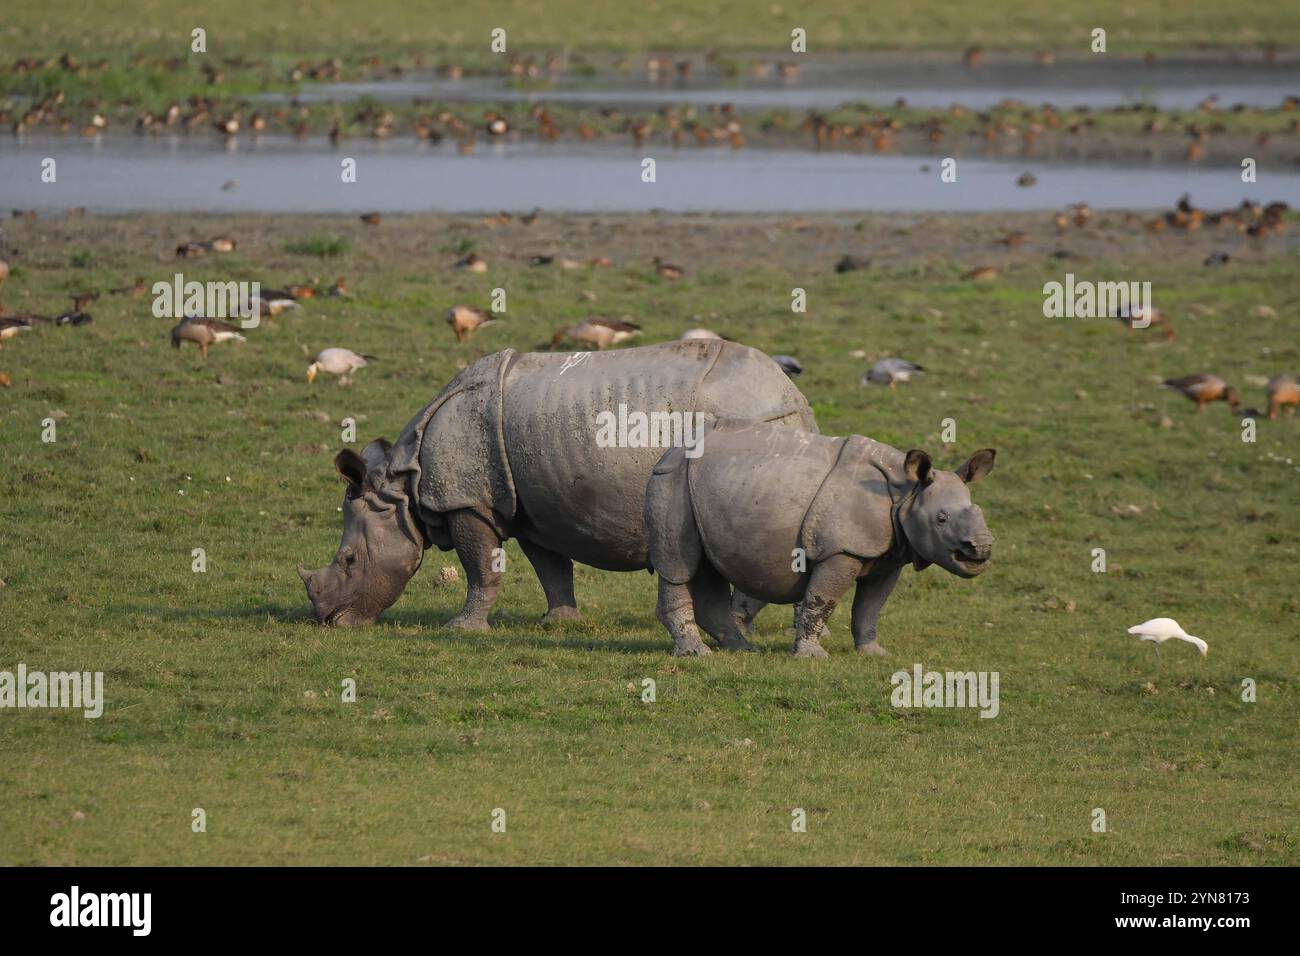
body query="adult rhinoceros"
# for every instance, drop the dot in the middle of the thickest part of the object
(509, 449)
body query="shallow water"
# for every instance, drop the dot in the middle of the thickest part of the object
(280, 174)
(1171, 84)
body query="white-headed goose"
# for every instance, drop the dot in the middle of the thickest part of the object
(336, 361)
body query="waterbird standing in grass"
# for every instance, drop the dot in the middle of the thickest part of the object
(889, 371)
(4, 271)
(1283, 390)
(135, 290)
(466, 319)
(1130, 316)
(789, 365)
(336, 361)
(1161, 629)
(1204, 388)
(666, 270)
(274, 301)
(10, 326)
(472, 263)
(599, 331)
(204, 332)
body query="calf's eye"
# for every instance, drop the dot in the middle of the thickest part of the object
(943, 517)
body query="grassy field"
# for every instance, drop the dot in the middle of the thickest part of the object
(393, 26)
(222, 694)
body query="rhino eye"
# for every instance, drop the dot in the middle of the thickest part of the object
(943, 517)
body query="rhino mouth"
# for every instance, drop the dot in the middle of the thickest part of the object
(333, 618)
(971, 561)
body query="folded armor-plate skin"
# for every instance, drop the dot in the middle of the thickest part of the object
(513, 438)
(770, 503)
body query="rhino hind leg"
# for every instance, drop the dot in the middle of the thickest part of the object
(711, 596)
(744, 609)
(475, 542)
(676, 611)
(555, 571)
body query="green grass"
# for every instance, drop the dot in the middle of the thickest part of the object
(222, 694)
(323, 247)
(730, 25)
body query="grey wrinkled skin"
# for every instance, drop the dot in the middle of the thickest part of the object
(508, 449)
(794, 517)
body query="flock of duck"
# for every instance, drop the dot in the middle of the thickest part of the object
(1012, 123)
(602, 332)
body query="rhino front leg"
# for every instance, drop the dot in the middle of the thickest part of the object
(870, 598)
(555, 571)
(711, 596)
(475, 544)
(676, 611)
(829, 582)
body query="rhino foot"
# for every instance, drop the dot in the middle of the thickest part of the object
(558, 614)
(736, 643)
(462, 622)
(809, 649)
(873, 649)
(691, 649)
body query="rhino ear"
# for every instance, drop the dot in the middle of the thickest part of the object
(917, 467)
(376, 453)
(352, 468)
(979, 465)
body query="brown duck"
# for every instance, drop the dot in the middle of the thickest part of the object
(466, 320)
(599, 331)
(472, 263)
(1203, 389)
(135, 291)
(10, 326)
(668, 271)
(1283, 390)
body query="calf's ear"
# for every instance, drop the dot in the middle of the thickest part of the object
(917, 467)
(979, 465)
(352, 468)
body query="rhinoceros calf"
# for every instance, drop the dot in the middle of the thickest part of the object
(788, 516)
(510, 448)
